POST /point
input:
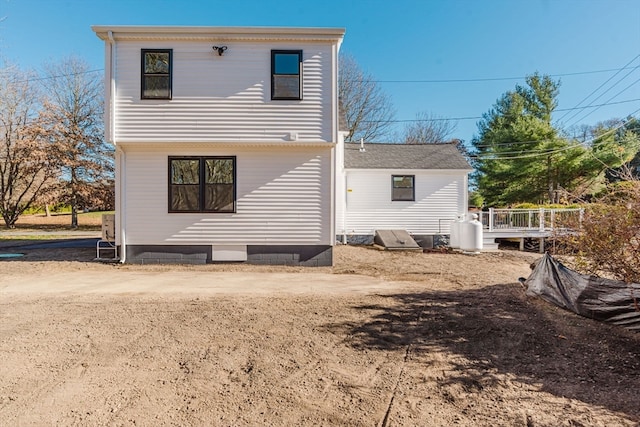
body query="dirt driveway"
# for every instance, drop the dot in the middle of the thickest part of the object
(380, 339)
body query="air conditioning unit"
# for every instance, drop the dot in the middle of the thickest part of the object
(109, 227)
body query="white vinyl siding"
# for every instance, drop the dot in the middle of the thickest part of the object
(283, 197)
(223, 98)
(439, 197)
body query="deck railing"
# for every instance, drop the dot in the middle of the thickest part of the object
(542, 219)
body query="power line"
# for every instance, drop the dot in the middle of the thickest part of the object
(67, 75)
(527, 155)
(596, 106)
(575, 145)
(422, 120)
(533, 153)
(613, 97)
(490, 79)
(603, 84)
(440, 119)
(577, 73)
(37, 79)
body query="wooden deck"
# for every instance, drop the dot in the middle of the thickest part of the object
(524, 224)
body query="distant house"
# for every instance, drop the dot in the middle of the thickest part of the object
(225, 142)
(418, 188)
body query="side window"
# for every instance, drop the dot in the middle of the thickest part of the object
(184, 187)
(202, 184)
(402, 188)
(156, 73)
(219, 185)
(286, 74)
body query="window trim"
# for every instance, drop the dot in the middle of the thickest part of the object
(201, 183)
(275, 52)
(413, 188)
(143, 52)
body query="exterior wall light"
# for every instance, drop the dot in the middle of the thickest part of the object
(220, 49)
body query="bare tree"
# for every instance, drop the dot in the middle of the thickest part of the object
(367, 109)
(74, 115)
(27, 168)
(429, 129)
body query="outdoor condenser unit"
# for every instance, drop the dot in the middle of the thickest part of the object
(109, 227)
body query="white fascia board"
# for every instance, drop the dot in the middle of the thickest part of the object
(126, 32)
(412, 171)
(181, 144)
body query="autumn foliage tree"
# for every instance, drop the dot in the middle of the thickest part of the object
(73, 115)
(28, 165)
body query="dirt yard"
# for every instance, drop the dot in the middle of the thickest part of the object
(380, 339)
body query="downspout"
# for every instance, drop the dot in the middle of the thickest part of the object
(112, 86)
(345, 208)
(466, 193)
(123, 204)
(339, 173)
(335, 128)
(121, 176)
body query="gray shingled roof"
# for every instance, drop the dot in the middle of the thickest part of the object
(404, 156)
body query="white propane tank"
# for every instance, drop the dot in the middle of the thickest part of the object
(454, 238)
(471, 235)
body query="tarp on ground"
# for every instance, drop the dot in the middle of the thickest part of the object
(601, 299)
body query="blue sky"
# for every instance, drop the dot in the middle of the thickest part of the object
(417, 49)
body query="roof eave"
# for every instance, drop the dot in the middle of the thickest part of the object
(386, 169)
(138, 32)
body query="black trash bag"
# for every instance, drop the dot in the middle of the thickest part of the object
(601, 299)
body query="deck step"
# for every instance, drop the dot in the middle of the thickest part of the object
(489, 244)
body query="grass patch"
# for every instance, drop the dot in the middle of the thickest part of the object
(22, 235)
(89, 221)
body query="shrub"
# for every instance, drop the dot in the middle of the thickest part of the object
(547, 206)
(608, 240)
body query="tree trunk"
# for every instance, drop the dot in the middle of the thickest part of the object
(549, 180)
(74, 216)
(74, 199)
(9, 221)
(46, 210)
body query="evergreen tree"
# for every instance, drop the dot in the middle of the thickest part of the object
(519, 156)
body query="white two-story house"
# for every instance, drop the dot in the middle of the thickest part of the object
(225, 142)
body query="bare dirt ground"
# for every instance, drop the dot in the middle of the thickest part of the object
(382, 338)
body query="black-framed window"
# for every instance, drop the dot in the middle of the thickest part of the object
(403, 188)
(156, 73)
(286, 74)
(202, 184)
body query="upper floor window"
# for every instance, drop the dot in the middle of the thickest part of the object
(402, 188)
(202, 184)
(286, 74)
(156, 73)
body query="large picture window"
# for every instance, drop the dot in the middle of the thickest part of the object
(402, 188)
(202, 184)
(286, 74)
(156, 73)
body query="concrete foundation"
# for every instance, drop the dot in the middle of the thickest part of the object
(302, 255)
